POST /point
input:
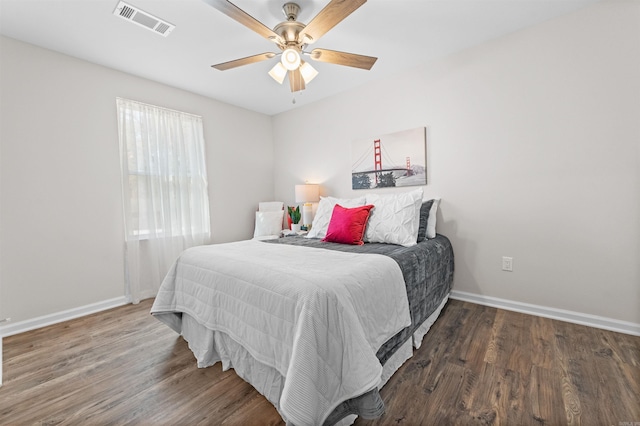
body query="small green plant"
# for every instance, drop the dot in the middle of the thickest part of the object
(294, 214)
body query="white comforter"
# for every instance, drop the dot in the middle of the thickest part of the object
(317, 316)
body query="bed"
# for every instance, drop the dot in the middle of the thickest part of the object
(316, 327)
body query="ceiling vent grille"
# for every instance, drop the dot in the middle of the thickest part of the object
(143, 19)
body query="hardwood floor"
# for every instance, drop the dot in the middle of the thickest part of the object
(478, 366)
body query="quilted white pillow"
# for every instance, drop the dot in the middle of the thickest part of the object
(395, 218)
(321, 221)
(268, 224)
(270, 206)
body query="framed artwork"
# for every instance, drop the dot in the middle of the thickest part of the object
(396, 159)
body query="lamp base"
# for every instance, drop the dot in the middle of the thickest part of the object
(307, 214)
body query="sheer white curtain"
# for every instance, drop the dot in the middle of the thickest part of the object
(164, 191)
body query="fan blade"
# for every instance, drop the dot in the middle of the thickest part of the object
(239, 15)
(244, 61)
(343, 58)
(328, 18)
(296, 81)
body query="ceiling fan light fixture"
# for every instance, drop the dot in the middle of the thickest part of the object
(278, 72)
(292, 37)
(308, 72)
(290, 59)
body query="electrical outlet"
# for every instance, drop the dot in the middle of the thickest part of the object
(507, 263)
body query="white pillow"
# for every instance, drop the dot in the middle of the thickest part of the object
(431, 221)
(270, 206)
(395, 218)
(268, 223)
(325, 210)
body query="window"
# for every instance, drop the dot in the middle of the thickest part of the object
(164, 175)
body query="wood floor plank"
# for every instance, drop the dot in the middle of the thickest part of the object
(617, 385)
(447, 344)
(516, 352)
(488, 407)
(451, 384)
(544, 394)
(473, 349)
(495, 342)
(477, 366)
(541, 333)
(571, 396)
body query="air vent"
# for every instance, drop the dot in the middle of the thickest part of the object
(143, 19)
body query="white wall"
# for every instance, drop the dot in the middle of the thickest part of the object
(534, 147)
(533, 144)
(61, 214)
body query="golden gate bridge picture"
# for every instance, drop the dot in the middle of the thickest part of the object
(396, 159)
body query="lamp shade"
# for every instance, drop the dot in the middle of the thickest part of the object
(308, 72)
(278, 72)
(307, 193)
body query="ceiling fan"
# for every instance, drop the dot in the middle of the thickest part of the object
(292, 38)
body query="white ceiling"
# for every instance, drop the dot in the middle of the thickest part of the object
(401, 33)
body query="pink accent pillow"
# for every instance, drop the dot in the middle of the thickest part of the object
(347, 226)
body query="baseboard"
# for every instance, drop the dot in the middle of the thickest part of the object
(553, 313)
(510, 305)
(31, 324)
